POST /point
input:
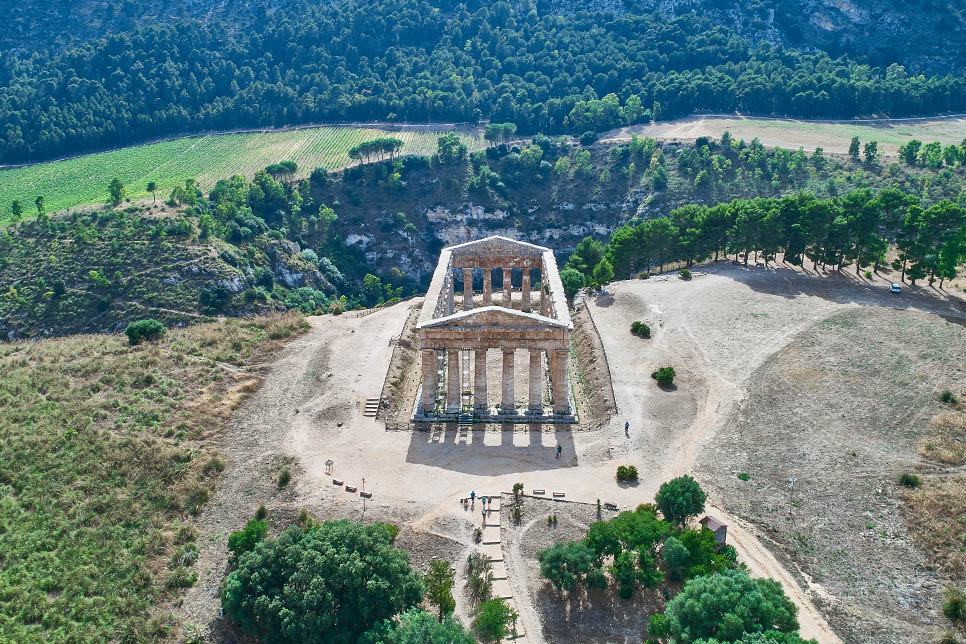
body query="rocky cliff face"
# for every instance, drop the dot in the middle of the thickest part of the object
(926, 36)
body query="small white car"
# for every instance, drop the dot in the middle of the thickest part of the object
(895, 288)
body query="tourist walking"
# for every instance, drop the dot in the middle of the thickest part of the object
(559, 449)
(627, 428)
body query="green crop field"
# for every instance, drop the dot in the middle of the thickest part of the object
(83, 180)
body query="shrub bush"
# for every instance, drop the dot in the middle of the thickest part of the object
(495, 620)
(685, 274)
(664, 376)
(948, 637)
(744, 476)
(640, 329)
(948, 397)
(588, 138)
(284, 477)
(141, 330)
(479, 576)
(245, 540)
(910, 480)
(181, 577)
(954, 604)
(627, 473)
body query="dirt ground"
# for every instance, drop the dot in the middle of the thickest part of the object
(718, 331)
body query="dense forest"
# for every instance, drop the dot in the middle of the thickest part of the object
(417, 60)
(919, 35)
(371, 233)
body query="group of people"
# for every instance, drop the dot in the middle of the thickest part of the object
(483, 499)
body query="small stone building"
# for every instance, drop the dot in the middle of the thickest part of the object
(719, 529)
(457, 342)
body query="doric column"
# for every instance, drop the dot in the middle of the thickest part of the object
(487, 287)
(525, 299)
(467, 289)
(452, 380)
(544, 298)
(429, 380)
(451, 294)
(561, 403)
(507, 289)
(508, 406)
(479, 380)
(536, 381)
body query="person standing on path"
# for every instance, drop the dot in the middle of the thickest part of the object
(627, 427)
(559, 449)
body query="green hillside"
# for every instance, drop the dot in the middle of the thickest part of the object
(83, 180)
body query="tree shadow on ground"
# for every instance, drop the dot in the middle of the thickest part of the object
(478, 449)
(841, 287)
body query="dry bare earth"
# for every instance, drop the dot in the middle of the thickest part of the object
(841, 409)
(717, 330)
(833, 136)
(724, 332)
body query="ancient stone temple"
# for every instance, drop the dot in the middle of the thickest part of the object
(476, 339)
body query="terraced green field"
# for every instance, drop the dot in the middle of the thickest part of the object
(83, 180)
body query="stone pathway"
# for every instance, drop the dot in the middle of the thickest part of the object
(492, 547)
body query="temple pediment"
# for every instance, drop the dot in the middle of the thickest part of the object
(496, 244)
(495, 316)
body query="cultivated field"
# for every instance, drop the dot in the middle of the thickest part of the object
(832, 136)
(83, 180)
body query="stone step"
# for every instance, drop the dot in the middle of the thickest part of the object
(493, 551)
(491, 535)
(499, 570)
(501, 589)
(492, 519)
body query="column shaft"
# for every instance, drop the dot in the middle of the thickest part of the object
(507, 289)
(452, 380)
(479, 380)
(487, 287)
(429, 381)
(451, 294)
(561, 402)
(536, 381)
(508, 406)
(526, 291)
(544, 299)
(467, 289)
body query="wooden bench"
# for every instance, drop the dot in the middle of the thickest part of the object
(336, 481)
(610, 506)
(558, 494)
(367, 495)
(539, 492)
(350, 488)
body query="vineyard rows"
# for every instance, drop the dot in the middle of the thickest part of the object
(83, 180)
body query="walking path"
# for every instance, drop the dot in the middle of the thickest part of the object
(492, 547)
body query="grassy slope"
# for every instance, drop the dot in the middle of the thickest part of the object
(83, 180)
(102, 465)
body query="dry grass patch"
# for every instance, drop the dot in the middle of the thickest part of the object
(102, 472)
(945, 441)
(936, 511)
